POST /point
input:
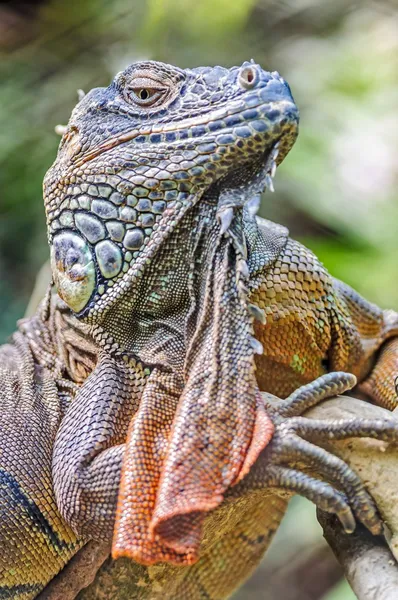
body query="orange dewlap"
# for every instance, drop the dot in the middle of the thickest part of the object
(196, 435)
(156, 522)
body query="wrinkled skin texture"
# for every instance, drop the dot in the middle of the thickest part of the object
(168, 275)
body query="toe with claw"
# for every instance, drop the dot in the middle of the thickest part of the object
(293, 461)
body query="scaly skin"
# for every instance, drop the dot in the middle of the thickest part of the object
(37, 373)
(157, 379)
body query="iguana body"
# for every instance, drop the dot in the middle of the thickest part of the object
(156, 249)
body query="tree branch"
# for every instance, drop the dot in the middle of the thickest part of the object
(368, 564)
(79, 573)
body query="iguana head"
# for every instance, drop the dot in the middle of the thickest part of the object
(137, 155)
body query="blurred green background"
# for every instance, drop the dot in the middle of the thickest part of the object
(336, 191)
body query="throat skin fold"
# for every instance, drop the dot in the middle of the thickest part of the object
(200, 424)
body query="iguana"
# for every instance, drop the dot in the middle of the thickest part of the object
(147, 392)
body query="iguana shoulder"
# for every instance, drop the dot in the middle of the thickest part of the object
(314, 323)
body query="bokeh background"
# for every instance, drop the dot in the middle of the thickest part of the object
(336, 191)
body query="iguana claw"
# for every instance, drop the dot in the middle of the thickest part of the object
(294, 445)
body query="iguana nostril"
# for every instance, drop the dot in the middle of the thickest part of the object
(248, 77)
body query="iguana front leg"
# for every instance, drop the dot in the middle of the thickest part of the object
(294, 449)
(89, 447)
(313, 323)
(116, 402)
(381, 385)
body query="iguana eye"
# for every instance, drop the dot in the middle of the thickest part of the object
(145, 96)
(145, 92)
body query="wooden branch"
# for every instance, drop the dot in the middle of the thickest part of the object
(367, 561)
(306, 573)
(368, 564)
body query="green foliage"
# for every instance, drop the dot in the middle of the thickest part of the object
(341, 591)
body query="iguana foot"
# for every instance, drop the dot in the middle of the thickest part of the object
(293, 452)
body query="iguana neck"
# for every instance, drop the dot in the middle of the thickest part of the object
(155, 321)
